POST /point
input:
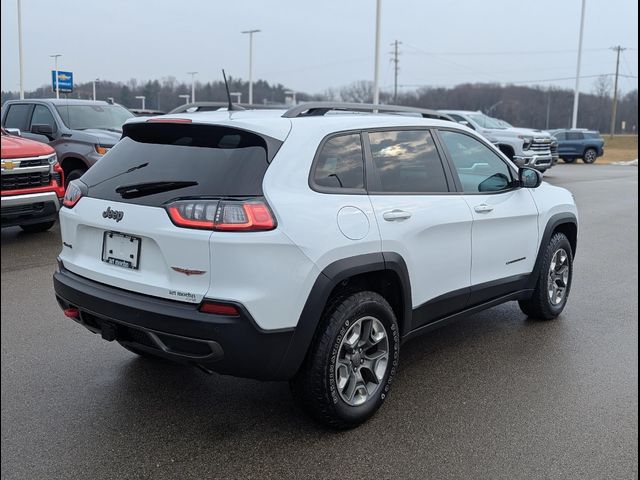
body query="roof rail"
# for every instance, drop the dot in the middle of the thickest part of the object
(313, 109)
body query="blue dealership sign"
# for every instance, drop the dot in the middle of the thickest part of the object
(65, 81)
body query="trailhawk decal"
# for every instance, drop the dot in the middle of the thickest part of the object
(182, 295)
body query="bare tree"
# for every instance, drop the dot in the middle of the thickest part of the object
(602, 86)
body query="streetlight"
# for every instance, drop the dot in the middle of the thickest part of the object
(238, 96)
(186, 97)
(376, 68)
(97, 80)
(20, 49)
(251, 32)
(193, 85)
(576, 93)
(143, 98)
(55, 56)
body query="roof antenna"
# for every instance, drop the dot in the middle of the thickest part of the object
(231, 106)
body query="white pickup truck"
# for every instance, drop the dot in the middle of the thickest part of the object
(524, 146)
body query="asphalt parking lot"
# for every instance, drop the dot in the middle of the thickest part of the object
(493, 396)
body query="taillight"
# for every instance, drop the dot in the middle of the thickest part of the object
(72, 195)
(225, 215)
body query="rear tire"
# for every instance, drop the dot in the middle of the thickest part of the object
(38, 227)
(554, 281)
(351, 363)
(590, 155)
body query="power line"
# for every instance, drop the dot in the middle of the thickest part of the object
(511, 52)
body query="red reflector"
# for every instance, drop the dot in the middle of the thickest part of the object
(219, 309)
(169, 120)
(71, 312)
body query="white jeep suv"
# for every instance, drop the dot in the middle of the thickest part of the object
(306, 245)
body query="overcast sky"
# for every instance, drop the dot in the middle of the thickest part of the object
(312, 45)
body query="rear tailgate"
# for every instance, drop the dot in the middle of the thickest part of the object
(120, 233)
(170, 262)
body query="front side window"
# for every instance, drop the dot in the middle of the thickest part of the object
(340, 163)
(406, 161)
(42, 116)
(478, 167)
(560, 136)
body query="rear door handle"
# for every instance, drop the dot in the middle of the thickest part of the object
(394, 215)
(483, 208)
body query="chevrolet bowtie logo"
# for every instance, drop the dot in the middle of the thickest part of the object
(7, 165)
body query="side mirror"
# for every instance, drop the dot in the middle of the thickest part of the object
(14, 131)
(529, 177)
(42, 129)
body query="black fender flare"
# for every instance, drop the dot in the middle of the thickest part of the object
(554, 222)
(327, 280)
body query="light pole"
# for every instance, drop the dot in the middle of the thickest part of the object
(186, 97)
(20, 49)
(143, 98)
(55, 56)
(376, 69)
(251, 32)
(238, 96)
(193, 85)
(576, 93)
(293, 96)
(94, 87)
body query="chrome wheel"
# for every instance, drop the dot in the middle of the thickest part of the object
(590, 156)
(362, 360)
(558, 279)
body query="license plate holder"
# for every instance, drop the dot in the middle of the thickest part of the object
(121, 250)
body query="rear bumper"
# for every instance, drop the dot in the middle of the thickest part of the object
(29, 208)
(174, 330)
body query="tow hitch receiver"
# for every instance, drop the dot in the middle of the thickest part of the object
(108, 331)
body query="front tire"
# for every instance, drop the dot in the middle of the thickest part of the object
(73, 175)
(554, 281)
(351, 363)
(590, 155)
(38, 227)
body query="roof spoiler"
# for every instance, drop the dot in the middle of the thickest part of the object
(314, 109)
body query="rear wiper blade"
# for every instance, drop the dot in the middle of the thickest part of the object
(149, 188)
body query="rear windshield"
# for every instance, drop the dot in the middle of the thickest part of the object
(156, 163)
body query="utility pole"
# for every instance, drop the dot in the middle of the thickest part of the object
(396, 68)
(576, 93)
(251, 32)
(193, 85)
(376, 68)
(548, 107)
(614, 108)
(20, 49)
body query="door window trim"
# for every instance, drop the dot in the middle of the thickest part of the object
(452, 166)
(33, 111)
(373, 180)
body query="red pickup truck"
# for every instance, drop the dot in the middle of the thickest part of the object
(32, 184)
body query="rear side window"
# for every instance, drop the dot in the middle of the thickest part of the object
(592, 135)
(406, 161)
(18, 116)
(157, 163)
(575, 136)
(340, 164)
